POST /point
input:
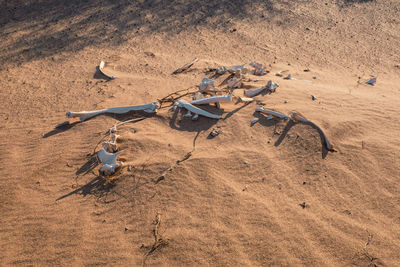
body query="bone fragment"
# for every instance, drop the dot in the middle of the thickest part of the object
(110, 169)
(212, 99)
(195, 117)
(258, 68)
(296, 117)
(236, 82)
(84, 115)
(114, 128)
(272, 113)
(188, 114)
(271, 87)
(371, 81)
(107, 158)
(181, 103)
(185, 67)
(235, 69)
(221, 70)
(246, 99)
(101, 67)
(205, 84)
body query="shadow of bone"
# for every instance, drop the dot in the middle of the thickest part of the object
(38, 29)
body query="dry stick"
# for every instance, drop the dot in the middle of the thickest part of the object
(158, 240)
(185, 67)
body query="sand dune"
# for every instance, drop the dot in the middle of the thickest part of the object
(291, 204)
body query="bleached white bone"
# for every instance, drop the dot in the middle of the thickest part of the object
(111, 146)
(296, 117)
(101, 66)
(110, 169)
(195, 117)
(188, 114)
(259, 68)
(221, 70)
(181, 103)
(271, 87)
(254, 92)
(235, 82)
(206, 83)
(273, 113)
(212, 99)
(84, 115)
(246, 99)
(235, 69)
(107, 158)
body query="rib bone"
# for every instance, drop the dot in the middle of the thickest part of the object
(84, 115)
(101, 66)
(273, 113)
(181, 103)
(212, 99)
(299, 118)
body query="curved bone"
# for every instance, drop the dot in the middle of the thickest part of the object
(254, 92)
(84, 115)
(101, 66)
(110, 169)
(107, 158)
(181, 103)
(212, 99)
(272, 113)
(296, 117)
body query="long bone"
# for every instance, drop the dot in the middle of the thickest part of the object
(273, 113)
(181, 103)
(101, 67)
(271, 87)
(212, 99)
(296, 117)
(107, 158)
(84, 115)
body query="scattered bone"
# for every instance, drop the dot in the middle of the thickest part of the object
(107, 158)
(110, 169)
(270, 87)
(212, 99)
(280, 73)
(205, 84)
(272, 113)
(215, 132)
(371, 81)
(236, 82)
(246, 99)
(235, 69)
(84, 115)
(181, 103)
(258, 69)
(307, 70)
(185, 67)
(313, 97)
(289, 77)
(101, 68)
(296, 117)
(254, 92)
(198, 95)
(221, 70)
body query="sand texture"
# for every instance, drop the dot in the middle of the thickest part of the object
(267, 194)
